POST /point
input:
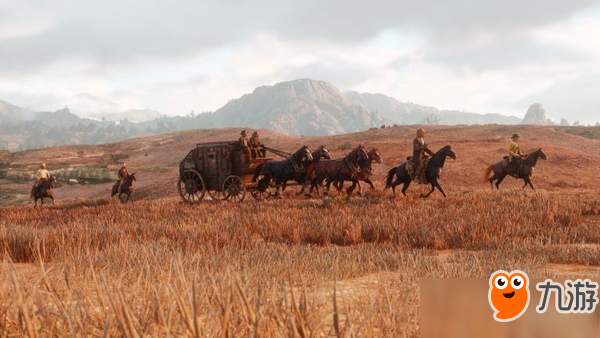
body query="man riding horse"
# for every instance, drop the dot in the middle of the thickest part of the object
(43, 185)
(122, 174)
(419, 158)
(514, 153)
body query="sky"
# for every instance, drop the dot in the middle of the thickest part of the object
(179, 56)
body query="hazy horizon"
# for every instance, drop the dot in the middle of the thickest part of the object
(485, 57)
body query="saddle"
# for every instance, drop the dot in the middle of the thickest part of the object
(417, 177)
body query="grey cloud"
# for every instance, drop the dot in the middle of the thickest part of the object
(576, 99)
(122, 31)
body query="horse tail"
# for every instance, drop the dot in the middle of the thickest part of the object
(488, 171)
(390, 177)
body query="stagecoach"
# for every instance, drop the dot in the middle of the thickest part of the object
(223, 170)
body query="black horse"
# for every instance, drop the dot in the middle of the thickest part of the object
(43, 190)
(321, 154)
(432, 173)
(126, 190)
(282, 171)
(523, 169)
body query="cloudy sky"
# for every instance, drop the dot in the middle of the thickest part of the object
(175, 56)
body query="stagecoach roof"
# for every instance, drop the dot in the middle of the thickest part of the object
(212, 144)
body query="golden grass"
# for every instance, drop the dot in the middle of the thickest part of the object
(281, 268)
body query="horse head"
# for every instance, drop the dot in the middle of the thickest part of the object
(374, 156)
(322, 153)
(302, 155)
(541, 154)
(447, 152)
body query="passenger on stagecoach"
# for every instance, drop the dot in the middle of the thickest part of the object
(243, 141)
(420, 150)
(256, 148)
(122, 174)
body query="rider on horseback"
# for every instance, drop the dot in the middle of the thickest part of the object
(41, 176)
(419, 157)
(514, 153)
(122, 174)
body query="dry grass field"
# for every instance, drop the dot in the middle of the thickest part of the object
(293, 267)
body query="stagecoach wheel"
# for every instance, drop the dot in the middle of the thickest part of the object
(216, 195)
(191, 186)
(261, 193)
(234, 189)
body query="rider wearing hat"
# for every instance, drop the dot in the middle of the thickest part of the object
(514, 152)
(420, 150)
(41, 175)
(256, 148)
(243, 141)
(122, 174)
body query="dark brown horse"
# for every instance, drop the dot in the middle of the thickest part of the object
(365, 172)
(330, 170)
(432, 173)
(321, 154)
(43, 190)
(522, 169)
(126, 189)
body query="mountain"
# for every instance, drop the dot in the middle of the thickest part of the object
(10, 113)
(134, 115)
(300, 107)
(398, 112)
(536, 115)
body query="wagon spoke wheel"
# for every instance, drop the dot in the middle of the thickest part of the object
(261, 192)
(234, 189)
(191, 186)
(216, 195)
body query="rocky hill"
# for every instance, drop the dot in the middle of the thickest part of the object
(301, 107)
(398, 112)
(536, 115)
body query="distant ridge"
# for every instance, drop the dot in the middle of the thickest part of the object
(299, 107)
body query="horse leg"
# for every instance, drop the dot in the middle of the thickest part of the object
(370, 183)
(439, 187)
(528, 182)
(350, 189)
(492, 179)
(500, 179)
(430, 192)
(405, 187)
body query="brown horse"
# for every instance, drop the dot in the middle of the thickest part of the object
(321, 154)
(126, 190)
(43, 190)
(330, 170)
(364, 173)
(522, 169)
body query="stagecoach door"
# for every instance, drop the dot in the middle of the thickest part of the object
(217, 166)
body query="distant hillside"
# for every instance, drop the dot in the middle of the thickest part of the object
(301, 107)
(409, 113)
